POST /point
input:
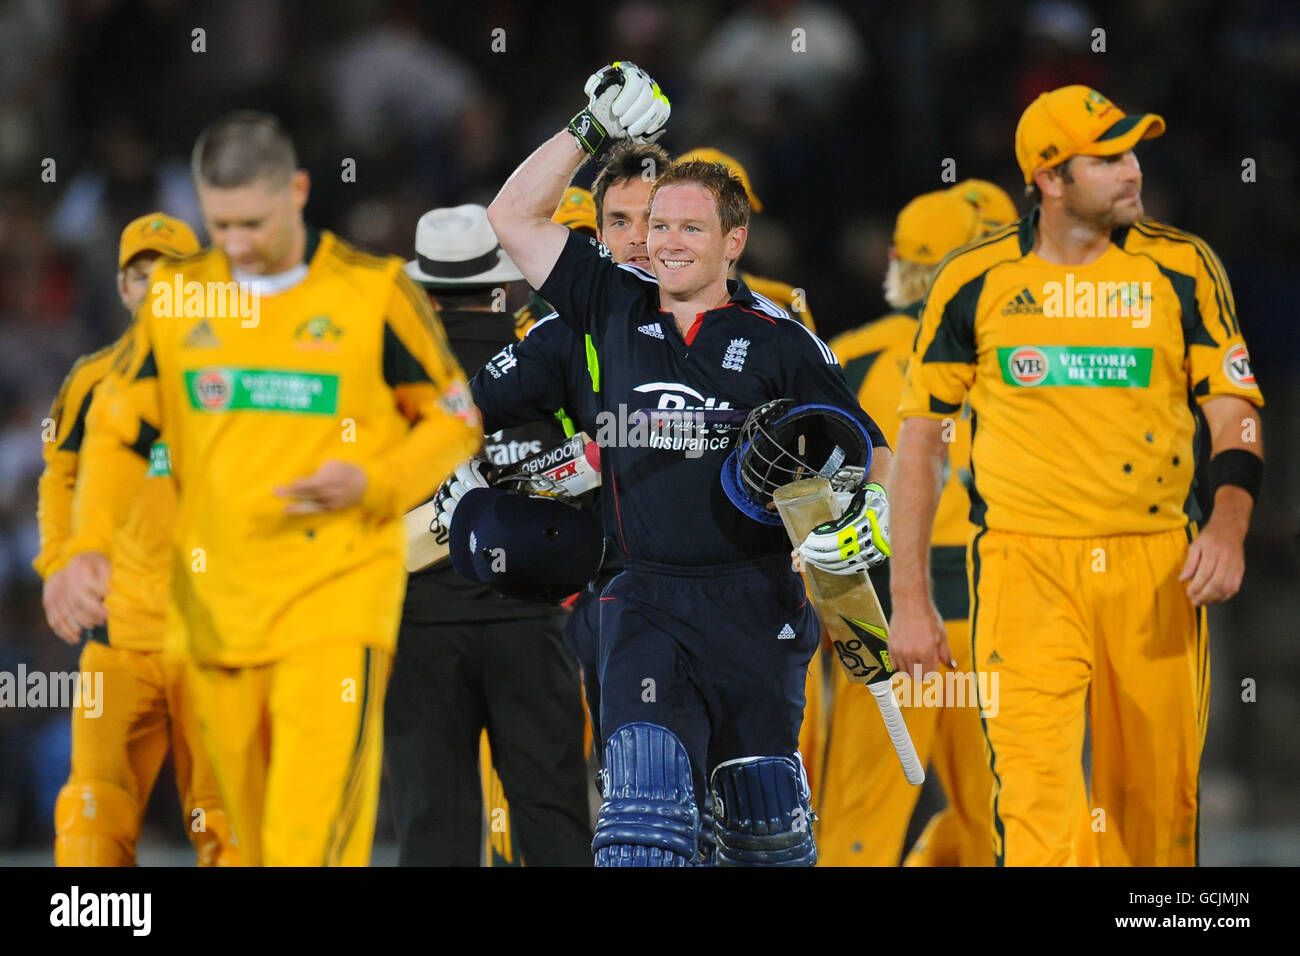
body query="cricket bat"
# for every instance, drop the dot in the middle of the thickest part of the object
(851, 612)
(569, 468)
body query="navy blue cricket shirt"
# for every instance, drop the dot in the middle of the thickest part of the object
(662, 505)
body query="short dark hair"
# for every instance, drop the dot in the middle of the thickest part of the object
(1035, 194)
(241, 148)
(728, 192)
(627, 161)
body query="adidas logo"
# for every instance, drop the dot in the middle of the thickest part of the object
(1023, 304)
(786, 633)
(994, 658)
(652, 330)
(201, 337)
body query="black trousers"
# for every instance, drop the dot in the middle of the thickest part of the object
(515, 678)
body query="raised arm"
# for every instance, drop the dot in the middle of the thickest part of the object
(623, 102)
(521, 213)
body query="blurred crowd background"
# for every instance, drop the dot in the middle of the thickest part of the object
(437, 102)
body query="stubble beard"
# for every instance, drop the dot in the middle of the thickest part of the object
(1114, 217)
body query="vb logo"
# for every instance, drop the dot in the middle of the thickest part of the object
(1028, 366)
(1236, 364)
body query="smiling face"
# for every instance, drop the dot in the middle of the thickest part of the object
(624, 220)
(688, 249)
(1104, 192)
(258, 226)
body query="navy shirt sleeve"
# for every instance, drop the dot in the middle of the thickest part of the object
(525, 381)
(588, 289)
(578, 284)
(812, 375)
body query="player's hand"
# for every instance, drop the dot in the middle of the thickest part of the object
(857, 540)
(1216, 561)
(334, 485)
(623, 102)
(917, 639)
(475, 473)
(74, 596)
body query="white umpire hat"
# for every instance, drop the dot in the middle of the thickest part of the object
(456, 247)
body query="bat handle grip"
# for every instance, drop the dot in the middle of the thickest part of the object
(913, 770)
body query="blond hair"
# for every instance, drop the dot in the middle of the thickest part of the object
(907, 282)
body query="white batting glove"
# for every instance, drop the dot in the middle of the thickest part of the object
(468, 474)
(641, 108)
(623, 102)
(857, 540)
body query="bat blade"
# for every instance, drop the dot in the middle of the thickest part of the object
(851, 612)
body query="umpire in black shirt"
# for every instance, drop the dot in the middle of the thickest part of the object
(468, 658)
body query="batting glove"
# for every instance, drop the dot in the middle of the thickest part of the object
(623, 102)
(857, 540)
(474, 473)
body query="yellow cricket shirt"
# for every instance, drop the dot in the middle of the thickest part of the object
(1080, 378)
(351, 364)
(141, 545)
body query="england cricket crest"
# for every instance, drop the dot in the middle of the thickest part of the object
(734, 359)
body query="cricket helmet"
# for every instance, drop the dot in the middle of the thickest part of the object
(782, 442)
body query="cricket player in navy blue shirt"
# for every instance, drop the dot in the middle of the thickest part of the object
(705, 638)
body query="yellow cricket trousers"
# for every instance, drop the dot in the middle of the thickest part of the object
(297, 747)
(1097, 629)
(866, 802)
(144, 707)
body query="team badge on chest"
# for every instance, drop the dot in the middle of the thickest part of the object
(734, 359)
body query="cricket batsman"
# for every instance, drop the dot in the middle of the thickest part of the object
(302, 422)
(691, 698)
(116, 755)
(1081, 338)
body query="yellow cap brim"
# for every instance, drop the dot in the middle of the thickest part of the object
(1125, 134)
(130, 253)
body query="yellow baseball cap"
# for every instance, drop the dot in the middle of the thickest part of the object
(933, 225)
(1077, 121)
(707, 154)
(994, 206)
(577, 210)
(156, 232)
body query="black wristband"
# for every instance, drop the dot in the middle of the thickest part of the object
(1238, 467)
(590, 135)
